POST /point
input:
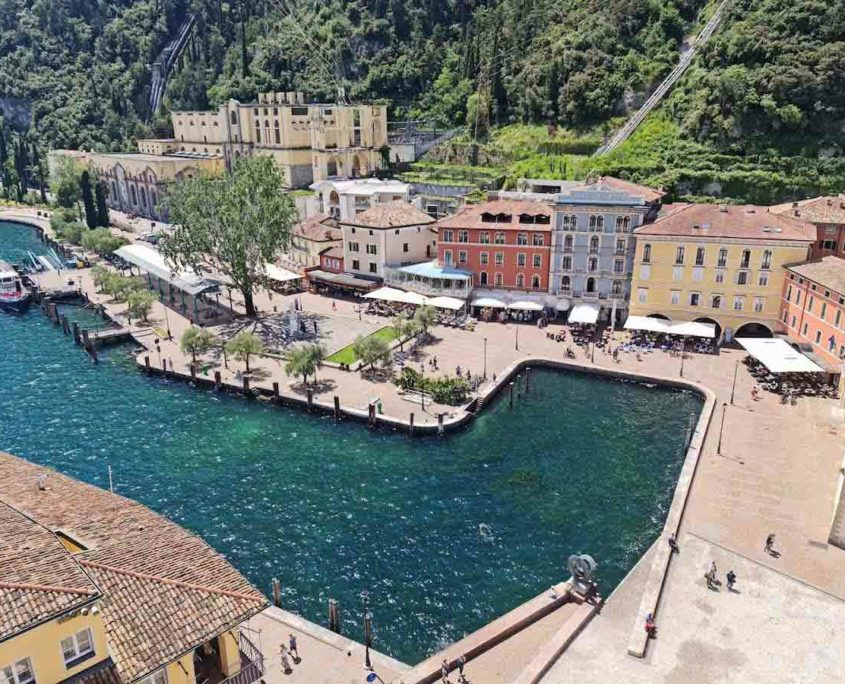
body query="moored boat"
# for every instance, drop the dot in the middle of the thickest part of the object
(14, 297)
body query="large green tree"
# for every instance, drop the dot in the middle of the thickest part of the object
(235, 224)
(88, 199)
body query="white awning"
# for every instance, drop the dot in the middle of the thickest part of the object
(279, 274)
(489, 301)
(451, 303)
(525, 304)
(693, 329)
(150, 260)
(778, 355)
(647, 324)
(562, 305)
(391, 294)
(584, 312)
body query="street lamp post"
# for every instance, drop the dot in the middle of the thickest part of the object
(485, 358)
(683, 355)
(368, 628)
(733, 387)
(167, 322)
(516, 327)
(721, 429)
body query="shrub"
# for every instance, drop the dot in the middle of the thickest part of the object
(449, 391)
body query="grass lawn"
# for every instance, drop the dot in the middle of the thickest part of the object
(347, 354)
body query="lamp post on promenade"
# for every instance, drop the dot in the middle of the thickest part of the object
(516, 327)
(368, 628)
(683, 355)
(733, 387)
(485, 358)
(721, 429)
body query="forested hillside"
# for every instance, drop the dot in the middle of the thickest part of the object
(768, 84)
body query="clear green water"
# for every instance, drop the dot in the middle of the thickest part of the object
(446, 534)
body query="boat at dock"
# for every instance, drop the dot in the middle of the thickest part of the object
(14, 297)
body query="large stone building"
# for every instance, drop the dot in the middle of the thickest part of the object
(98, 589)
(136, 181)
(717, 264)
(827, 214)
(310, 142)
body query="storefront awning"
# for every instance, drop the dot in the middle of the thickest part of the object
(451, 303)
(150, 260)
(647, 324)
(584, 312)
(490, 302)
(281, 275)
(562, 305)
(391, 294)
(778, 356)
(522, 304)
(693, 329)
(342, 280)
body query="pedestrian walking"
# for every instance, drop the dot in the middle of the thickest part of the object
(292, 646)
(315, 327)
(710, 575)
(673, 543)
(650, 626)
(462, 660)
(731, 577)
(444, 671)
(283, 657)
(334, 306)
(770, 544)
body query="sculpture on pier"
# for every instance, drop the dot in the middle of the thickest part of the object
(583, 568)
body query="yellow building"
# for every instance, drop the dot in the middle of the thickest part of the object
(98, 589)
(716, 264)
(310, 142)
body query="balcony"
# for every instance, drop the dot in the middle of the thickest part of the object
(207, 665)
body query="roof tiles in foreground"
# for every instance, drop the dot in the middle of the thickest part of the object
(164, 590)
(395, 214)
(728, 221)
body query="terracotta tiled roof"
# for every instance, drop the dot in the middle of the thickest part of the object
(318, 228)
(39, 579)
(165, 591)
(103, 672)
(472, 216)
(708, 221)
(829, 272)
(335, 252)
(611, 183)
(396, 214)
(825, 210)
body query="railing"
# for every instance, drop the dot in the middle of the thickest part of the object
(254, 670)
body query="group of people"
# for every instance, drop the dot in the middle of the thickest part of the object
(287, 651)
(446, 667)
(789, 385)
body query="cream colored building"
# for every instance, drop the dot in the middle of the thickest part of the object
(390, 234)
(717, 264)
(345, 199)
(136, 180)
(310, 142)
(311, 237)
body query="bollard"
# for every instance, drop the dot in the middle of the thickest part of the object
(334, 616)
(217, 379)
(336, 407)
(246, 385)
(439, 423)
(510, 393)
(277, 593)
(147, 363)
(275, 390)
(371, 414)
(164, 367)
(411, 422)
(76, 337)
(310, 395)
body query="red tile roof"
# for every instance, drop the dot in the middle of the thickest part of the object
(471, 216)
(335, 252)
(318, 228)
(396, 214)
(829, 272)
(648, 194)
(824, 210)
(728, 221)
(165, 591)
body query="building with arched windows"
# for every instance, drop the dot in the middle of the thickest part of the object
(593, 243)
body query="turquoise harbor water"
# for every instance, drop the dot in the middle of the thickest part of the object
(445, 534)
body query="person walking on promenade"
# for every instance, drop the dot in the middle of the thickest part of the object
(770, 544)
(444, 671)
(673, 543)
(460, 663)
(283, 657)
(294, 651)
(731, 577)
(710, 575)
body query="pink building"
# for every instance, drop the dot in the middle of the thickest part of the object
(813, 308)
(827, 214)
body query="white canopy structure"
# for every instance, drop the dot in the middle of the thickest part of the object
(584, 312)
(659, 325)
(646, 323)
(150, 260)
(489, 301)
(443, 302)
(279, 274)
(778, 355)
(391, 294)
(523, 303)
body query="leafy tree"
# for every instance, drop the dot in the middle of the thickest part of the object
(196, 340)
(100, 195)
(101, 241)
(88, 199)
(244, 345)
(140, 303)
(236, 223)
(304, 360)
(404, 327)
(371, 350)
(425, 316)
(64, 182)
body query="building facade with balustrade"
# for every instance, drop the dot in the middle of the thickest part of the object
(592, 251)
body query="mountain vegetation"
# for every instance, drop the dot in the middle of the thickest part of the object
(767, 87)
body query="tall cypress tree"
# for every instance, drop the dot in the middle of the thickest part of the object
(88, 199)
(100, 191)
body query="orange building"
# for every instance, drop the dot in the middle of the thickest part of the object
(827, 214)
(505, 244)
(813, 308)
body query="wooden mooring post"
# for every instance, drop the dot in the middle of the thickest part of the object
(336, 407)
(277, 593)
(510, 394)
(527, 380)
(65, 325)
(193, 373)
(147, 363)
(217, 380)
(246, 385)
(334, 616)
(411, 423)
(276, 391)
(439, 423)
(76, 336)
(518, 386)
